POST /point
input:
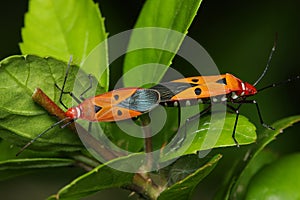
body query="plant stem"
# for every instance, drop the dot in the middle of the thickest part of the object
(145, 120)
(144, 185)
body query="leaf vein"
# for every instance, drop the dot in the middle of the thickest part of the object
(18, 82)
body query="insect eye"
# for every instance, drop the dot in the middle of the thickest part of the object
(97, 108)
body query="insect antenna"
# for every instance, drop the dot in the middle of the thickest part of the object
(42, 133)
(269, 60)
(279, 83)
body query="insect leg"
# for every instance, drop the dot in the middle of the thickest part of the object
(63, 86)
(187, 122)
(178, 115)
(236, 110)
(258, 112)
(191, 119)
(197, 116)
(69, 93)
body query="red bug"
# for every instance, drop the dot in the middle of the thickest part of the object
(115, 105)
(211, 90)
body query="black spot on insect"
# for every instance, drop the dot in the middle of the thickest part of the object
(97, 108)
(222, 81)
(116, 97)
(119, 112)
(195, 80)
(197, 91)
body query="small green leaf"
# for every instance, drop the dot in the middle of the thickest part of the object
(184, 188)
(62, 28)
(16, 167)
(9, 150)
(22, 119)
(240, 186)
(101, 177)
(210, 134)
(35, 163)
(156, 46)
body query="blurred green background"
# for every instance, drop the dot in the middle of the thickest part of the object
(237, 34)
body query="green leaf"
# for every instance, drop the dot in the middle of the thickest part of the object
(210, 134)
(263, 159)
(240, 186)
(35, 163)
(156, 46)
(269, 135)
(278, 180)
(62, 28)
(17, 167)
(22, 119)
(104, 176)
(184, 188)
(7, 150)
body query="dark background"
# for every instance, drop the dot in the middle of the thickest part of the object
(237, 35)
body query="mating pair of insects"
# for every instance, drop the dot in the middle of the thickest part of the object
(126, 103)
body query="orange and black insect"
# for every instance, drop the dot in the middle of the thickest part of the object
(115, 105)
(213, 89)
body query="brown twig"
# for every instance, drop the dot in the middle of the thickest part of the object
(145, 120)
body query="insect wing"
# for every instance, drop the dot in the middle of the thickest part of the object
(169, 90)
(143, 100)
